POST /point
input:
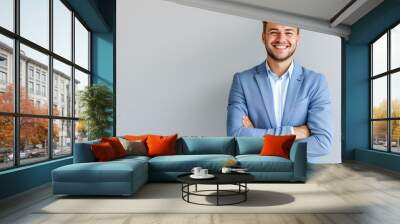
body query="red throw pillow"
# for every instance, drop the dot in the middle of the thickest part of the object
(277, 145)
(103, 151)
(116, 145)
(161, 145)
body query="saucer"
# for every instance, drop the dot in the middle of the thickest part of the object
(208, 176)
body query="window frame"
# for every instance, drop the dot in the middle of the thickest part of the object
(16, 114)
(388, 74)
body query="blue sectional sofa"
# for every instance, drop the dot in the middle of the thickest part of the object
(125, 176)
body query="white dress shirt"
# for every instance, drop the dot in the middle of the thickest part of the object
(279, 85)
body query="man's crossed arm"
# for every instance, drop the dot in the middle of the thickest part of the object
(301, 132)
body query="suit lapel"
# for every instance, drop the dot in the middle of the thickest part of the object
(291, 96)
(266, 92)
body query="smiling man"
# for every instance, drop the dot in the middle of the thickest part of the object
(280, 97)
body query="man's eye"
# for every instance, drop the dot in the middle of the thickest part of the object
(289, 34)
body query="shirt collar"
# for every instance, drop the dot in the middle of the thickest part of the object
(288, 73)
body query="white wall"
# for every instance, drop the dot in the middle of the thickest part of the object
(175, 66)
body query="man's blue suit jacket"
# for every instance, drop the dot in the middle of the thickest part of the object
(307, 103)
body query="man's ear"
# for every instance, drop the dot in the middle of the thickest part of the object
(298, 40)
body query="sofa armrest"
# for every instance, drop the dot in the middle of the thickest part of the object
(298, 155)
(83, 152)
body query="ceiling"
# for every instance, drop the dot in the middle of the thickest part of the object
(326, 16)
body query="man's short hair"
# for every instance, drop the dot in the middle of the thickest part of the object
(265, 27)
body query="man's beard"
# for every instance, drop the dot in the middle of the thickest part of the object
(273, 56)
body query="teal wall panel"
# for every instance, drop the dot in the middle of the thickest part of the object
(24, 178)
(377, 158)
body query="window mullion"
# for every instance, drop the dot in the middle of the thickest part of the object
(73, 82)
(16, 84)
(389, 106)
(50, 81)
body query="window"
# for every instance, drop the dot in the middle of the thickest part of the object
(62, 75)
(30, 87)
(385, 96)
(3, 78)
(43, 90)
(62, 29)
(6, 142)
(44, 131)
(35, 21)
(6, 72)
(43, 77)
(38, 89)
(3, 61)
(30, 72)
(7, 14)
(62, 137)
(38, 74)
(81, 45)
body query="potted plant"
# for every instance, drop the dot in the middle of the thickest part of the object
(96, 102)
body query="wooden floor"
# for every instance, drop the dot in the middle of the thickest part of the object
(378, 188)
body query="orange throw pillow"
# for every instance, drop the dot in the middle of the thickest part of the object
(161, 145)
(116, 145)
(277, 145)
(103, 152)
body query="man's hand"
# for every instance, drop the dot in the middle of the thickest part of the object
(247, 122)
(301, 132)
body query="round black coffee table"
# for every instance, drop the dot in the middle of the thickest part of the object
(238, 179)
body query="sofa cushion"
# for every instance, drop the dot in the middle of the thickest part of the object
(206, 145)
(185, 163)
(249, 145)
(257, 163)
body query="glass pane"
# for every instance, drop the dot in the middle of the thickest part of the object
(81, 131)
(379, 97)
(379, 135)
(81, 45)
(6, 74)
(379, 55)
(35, 21)
(395, 94)
(33, 139)
(395, 47)
(62, 89)
(62, 29)
(34, 97)
(62, 138)
(7, 14)
(6, 142)
(395, 136)
(81, 81)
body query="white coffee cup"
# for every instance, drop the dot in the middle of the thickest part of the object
(203, 172)
(196, 170)
(226, 170)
